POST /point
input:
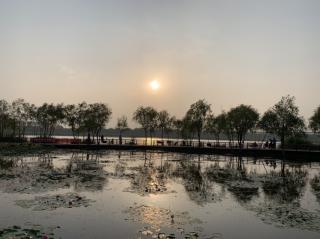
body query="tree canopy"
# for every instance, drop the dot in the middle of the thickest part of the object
(147, 118)
(314, 121)
(197, 115)
(242, 119)
(283, 119)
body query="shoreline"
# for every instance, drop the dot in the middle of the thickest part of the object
(287, 154)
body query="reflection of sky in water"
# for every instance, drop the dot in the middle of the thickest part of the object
(226, 194)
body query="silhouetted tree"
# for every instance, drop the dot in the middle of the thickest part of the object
(153, 123)
(188, 127)
(164, 122)
(48, 116)
(216, 125)
(220, 124)
(122, 125)
(283, 119)
(73, 118)
(197, 115)
(314, 121)
(20, 116)
(178, 126)
(33, 118)
(210, 126)
(95, 117)
(147, 118)
(4, 118)
(243, 118)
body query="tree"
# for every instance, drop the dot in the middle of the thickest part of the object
(4, 118)
(95, 117)
(32, 122)
(122, 125)
(20, 115)
(146, 117)
(153, 123)
(72, 118)
(210, 125)
(283, 119)
(48, 116)
(220, 124)
(188, 128)
(196, 116)
(82, 110)
(164, 122)
(314, 121)
(216, 125)
(177, 125)
(242, 119)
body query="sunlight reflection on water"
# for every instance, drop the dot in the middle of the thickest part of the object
(154, 194)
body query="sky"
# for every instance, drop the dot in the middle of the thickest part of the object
(227, 52)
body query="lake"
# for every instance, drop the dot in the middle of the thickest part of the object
(130, 194)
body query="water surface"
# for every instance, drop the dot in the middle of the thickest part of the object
(115, 194)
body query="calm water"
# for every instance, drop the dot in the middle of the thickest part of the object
(152, 195)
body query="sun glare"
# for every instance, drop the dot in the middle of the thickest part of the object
(154, 85)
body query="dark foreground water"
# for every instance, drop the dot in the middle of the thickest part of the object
(157, 195)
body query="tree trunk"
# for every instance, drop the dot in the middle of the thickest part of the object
(146, 136)
(282, 141)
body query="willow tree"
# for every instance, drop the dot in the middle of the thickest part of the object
(196, 116)
(73, 119)
(216, 125)
(210, 125)
(243, 118)
(164, 122)
(95, 118)
(20, 115)
(314, 121)
(283, 120)
(147, 118)
(122, 125)
(4, 118)
(177, 125)
(48, 116)
(221, 125)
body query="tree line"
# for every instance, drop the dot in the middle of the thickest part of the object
(82, 118)
(282, 119)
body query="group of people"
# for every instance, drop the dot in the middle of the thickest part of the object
(271, 143)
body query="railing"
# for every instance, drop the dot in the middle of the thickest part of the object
(174, 143)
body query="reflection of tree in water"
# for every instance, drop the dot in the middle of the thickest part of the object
(285, 186)
(315, 185)
(149, 177)
(120, 169)
(87, 171)
(45, 161)
(6, 163)
(38, 174)
(288, 215)
(281, 205)
(234, 176)
(196, 182)
(230, 171)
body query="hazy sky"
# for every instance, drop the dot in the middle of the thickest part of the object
(228, 52)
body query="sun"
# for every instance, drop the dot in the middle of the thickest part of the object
(154, 85)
